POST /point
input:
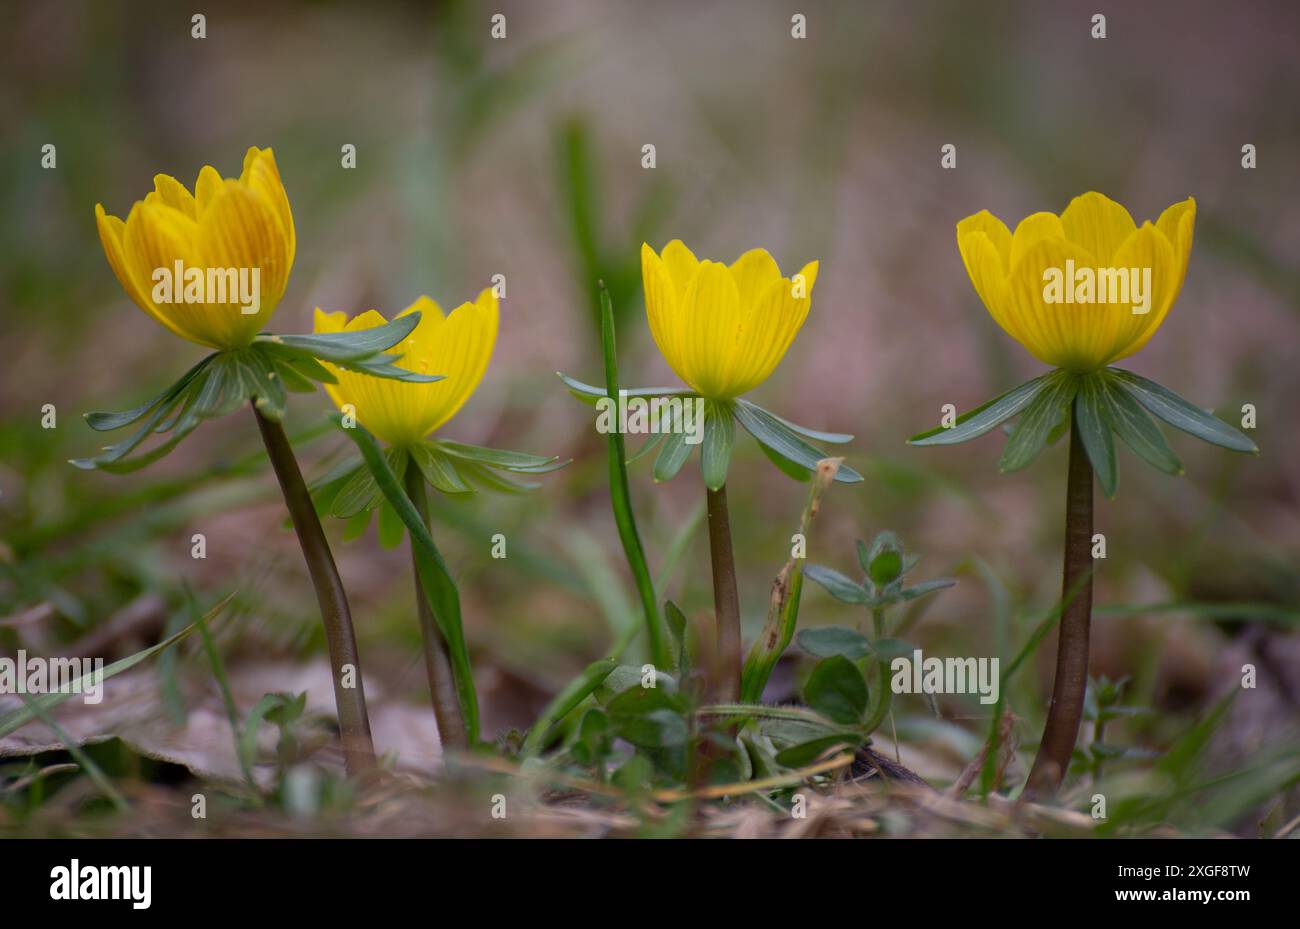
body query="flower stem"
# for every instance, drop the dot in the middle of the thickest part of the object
(1071, 682)
(437, 665)
(726, 601)
(354, 723)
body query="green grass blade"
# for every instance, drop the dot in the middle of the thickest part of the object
(20, 717)
(677, 547)
(223, 684)
(246, 742)
(621, 497)
(92, 770)
(564, 703)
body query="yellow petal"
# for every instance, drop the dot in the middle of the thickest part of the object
(112, 232)
(681, 264)
(998, 234)
(250, 157)
(712, 309)
(378, 403)
(234, 227)
(723, 329)
(424, 337)
(1097, 224)
(1147, 248)
(755, 272)
(373, 400)
(663, 312)
(1032, 230)
(1178, 224)
(208, 185)
(155, 238)
(457, 346)
(1066, 335)
(239, 229)
(261, 174)
(370, 319)
(1101, 240)
(461, 352)
(769, 327)
(324, 322)
(985, 246)
(172, 193)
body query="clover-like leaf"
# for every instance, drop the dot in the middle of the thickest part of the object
(826, 641)
(836, 584)
(837, 690)
(917, 591)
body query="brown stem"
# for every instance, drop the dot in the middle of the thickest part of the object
(354, 723)
(442, 690)
(1071, 683)
(726, 601)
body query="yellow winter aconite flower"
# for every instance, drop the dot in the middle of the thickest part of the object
(457, 346)
(723, 328)
(189, 260)
(1083, 289)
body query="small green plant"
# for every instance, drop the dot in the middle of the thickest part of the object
(1103, 704)
(837, 686)
(648, 732)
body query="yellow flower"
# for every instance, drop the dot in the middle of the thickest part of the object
(225, 225)
(456, 345)
(723, 329)
(1013, 275)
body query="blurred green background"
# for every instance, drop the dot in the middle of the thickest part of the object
(523, 156)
